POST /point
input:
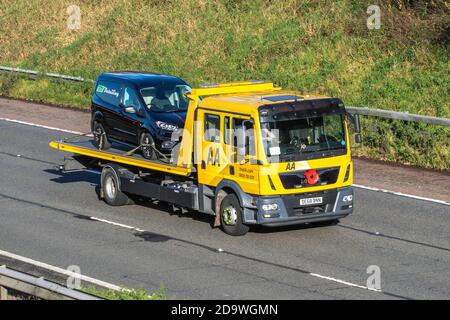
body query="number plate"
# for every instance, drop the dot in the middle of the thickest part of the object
(309, 201)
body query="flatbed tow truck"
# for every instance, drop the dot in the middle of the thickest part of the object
(250, 153)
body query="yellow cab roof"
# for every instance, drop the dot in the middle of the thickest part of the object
(250, 102)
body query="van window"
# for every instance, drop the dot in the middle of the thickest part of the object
(131, 99)
(108, 91)
(212, 127)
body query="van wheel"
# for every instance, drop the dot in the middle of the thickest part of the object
(147, 152)
(101, 141)
(231, 216)
(110, 187)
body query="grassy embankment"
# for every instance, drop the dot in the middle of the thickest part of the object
(316, 46)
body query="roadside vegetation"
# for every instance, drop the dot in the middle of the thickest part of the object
(127, 294)
(317, 46)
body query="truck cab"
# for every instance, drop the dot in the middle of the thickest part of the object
(285, 156)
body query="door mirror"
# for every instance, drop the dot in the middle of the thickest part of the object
(140, 113)
(356, 123)
(130, 110)
(358, 138)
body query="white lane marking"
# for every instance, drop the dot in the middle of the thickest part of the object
(350, 284)
(402, 194)
(39, 125)
(61, 271)
(117, 224)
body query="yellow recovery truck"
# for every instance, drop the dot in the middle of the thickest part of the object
(250, 153)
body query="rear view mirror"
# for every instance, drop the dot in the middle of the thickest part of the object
(358, 138)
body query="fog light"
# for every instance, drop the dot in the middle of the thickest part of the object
(271, 215)
(270, 207)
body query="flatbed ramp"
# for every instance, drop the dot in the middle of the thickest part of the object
(118, 154)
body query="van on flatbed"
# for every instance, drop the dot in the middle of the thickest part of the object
(249, 154)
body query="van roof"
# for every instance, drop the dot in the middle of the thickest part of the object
(140, 78)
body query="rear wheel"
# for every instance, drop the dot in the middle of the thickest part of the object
(148, 144)
(101, 141)
(231, 216)
(111, 192)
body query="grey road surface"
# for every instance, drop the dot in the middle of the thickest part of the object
(45, 216)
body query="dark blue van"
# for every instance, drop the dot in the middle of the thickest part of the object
(138, 108)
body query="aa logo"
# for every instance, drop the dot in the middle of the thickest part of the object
(213, 159)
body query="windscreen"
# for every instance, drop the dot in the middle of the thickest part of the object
(166, 98)
(304, 138)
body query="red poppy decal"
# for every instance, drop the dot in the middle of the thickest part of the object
(311, 176)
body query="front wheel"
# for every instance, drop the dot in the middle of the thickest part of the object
(147, 143)
(101, 141)
(231, 216)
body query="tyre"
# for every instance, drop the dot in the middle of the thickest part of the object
(110, 187)
(147, 152)
(101, 141)
(231, 216)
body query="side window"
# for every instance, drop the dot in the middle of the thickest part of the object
(212, 127)
(226, 130)
(108, 91)
(130, 99)
(244, 129)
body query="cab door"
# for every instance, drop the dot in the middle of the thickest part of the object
(240, 145)
(211, 160)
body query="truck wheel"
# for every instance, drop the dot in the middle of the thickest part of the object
(147, 152)
(231, 216)
(110, 186)
(101, 141)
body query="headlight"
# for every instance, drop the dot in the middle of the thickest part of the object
(348, 198)
(166, 126)
(168, 144)
(270, 207)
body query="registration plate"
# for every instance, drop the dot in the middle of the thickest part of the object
(309, 201)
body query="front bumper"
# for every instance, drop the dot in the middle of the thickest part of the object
(337, 203)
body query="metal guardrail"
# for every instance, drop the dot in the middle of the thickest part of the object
(33, 73)
(387, 114)
(37, 287)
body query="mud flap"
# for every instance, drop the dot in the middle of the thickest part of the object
(220, 196)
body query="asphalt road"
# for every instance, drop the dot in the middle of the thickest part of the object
(45, 216)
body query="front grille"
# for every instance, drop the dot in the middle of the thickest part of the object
(309, 210)
(294, 208)
(297, 179)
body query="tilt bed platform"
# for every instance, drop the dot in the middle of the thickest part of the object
(118, 153)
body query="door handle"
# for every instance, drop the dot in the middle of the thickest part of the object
(203, 164)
